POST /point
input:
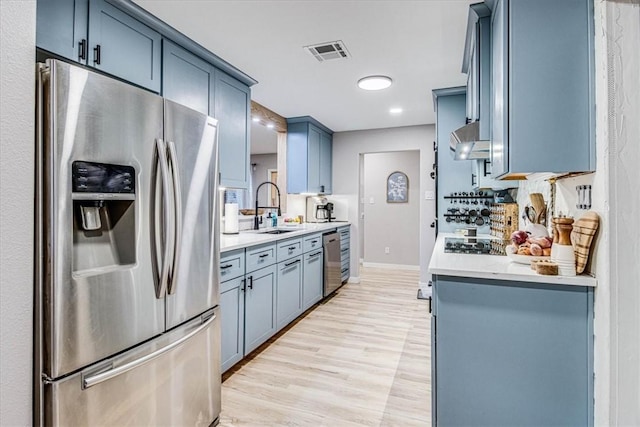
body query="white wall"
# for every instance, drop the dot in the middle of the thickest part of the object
(617, 322)
(391, 225)
(347, 147)
(17, 56)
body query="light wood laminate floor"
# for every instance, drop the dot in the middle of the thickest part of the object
(360, 359)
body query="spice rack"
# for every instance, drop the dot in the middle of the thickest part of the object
(504, 221)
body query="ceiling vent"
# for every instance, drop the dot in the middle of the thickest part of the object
(329, 51)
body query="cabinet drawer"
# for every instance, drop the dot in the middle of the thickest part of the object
(344, 250)
(260, 256)
(345, 263)
(289, 249)
(231, 264)
(344, 244)
(344, 232)
(312, 242)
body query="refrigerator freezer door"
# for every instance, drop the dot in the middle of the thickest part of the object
(179, 386)
(99, 287)
(193, 151)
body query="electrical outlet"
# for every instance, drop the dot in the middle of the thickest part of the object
(386, 250)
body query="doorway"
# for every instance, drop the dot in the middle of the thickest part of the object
(390, 208)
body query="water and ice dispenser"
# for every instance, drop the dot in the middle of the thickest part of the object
(104, 204)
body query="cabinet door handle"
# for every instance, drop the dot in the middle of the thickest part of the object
(314, 241)
(316, 254)
(250, 282)
(223, 267)
(291, 263)
(264, 255)
(292, 248)
(96, 55)
(82, 49)
(322, 188)
(473, 179)
(244, 285)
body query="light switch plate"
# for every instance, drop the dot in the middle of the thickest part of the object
(429, 195)
(371, 200)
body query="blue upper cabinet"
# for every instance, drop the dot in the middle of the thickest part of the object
(98, 34)
(193, 82)
(233, 109)
(62, 28)
(122, 46)
(543, 104)
(309, 156)
(187, 79)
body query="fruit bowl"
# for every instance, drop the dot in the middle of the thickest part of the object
(526, 259)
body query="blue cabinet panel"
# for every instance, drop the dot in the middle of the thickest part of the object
(289, 293)
(512, 353)
(260, 304)
(232, 109)
(499, 101)
(326, 163)
(312, 278)
(122, 46)
(187, 79)
(313, 160)
(62, 26)
(232, 321)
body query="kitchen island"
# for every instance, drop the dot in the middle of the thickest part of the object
(509, 346)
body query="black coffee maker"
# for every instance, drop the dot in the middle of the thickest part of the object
(324, 212)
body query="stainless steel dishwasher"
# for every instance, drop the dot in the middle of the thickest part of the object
(332, 262)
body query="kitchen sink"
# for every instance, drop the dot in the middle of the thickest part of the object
(277, 231)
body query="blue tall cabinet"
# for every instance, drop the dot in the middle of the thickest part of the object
(543, 105)
(452, 175)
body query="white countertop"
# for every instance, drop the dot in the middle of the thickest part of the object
(493, 267)
(248, 238)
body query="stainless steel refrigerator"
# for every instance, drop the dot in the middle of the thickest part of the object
(127, 286)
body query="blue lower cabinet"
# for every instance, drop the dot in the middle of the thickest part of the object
(259, 307)
(232, 321)
(289, 294)
(512, 353)
(312, 278)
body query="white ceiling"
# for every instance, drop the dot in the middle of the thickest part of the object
(418, 44)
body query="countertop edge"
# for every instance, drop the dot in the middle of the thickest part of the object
(494, 267)
(243, 240)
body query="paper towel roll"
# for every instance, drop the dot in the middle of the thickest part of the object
(230, 218)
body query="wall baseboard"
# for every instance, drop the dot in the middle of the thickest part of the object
(354, 279)
(391, 266)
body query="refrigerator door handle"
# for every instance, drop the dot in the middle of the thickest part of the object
(101, 377)
(177, 219)
(163, 278)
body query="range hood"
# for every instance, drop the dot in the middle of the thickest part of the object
(464, 143)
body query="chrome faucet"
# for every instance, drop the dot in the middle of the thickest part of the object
(256, 224)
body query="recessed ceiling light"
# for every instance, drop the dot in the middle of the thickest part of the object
(270, 125)
(256, 119)
(374, 82)
(395, 110)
